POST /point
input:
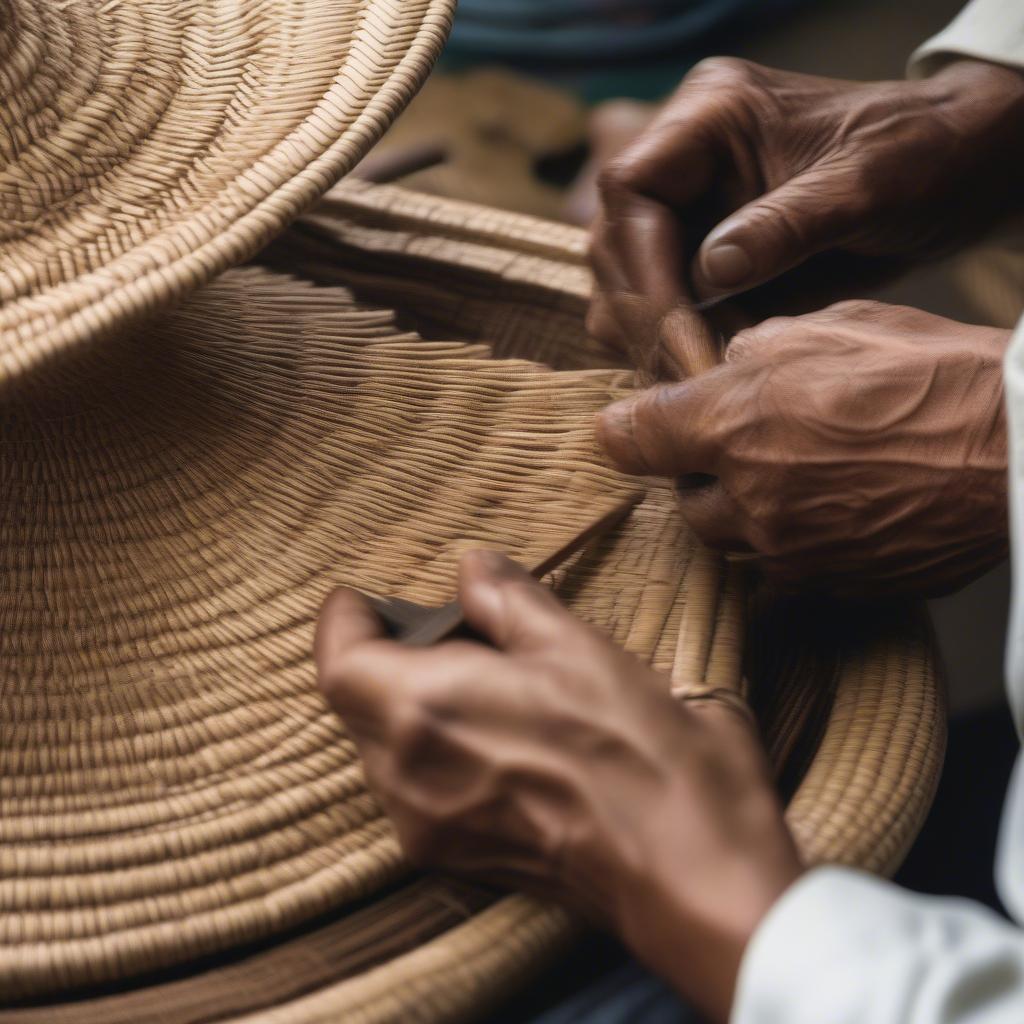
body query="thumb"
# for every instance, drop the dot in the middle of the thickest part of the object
(663, 431)
(501, 600)
(813, 212)
(346, 620)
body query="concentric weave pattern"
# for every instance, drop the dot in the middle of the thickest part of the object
(175, 505)
(146, 145)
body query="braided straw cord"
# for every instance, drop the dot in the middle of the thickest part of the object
(358, 940)
(457, 977)
(176, 505)
(519, 284)
(147, 145)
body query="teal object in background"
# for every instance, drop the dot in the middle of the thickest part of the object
(603, 48)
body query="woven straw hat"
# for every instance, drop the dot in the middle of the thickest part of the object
(146, 145)
(185, 835)
(177, 502)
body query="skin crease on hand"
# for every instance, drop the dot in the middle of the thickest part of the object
(749, 172)
(557, 764)
(860, 450)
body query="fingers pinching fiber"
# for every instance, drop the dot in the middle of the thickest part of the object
(648, 247)
(506, 604)
(687, 343)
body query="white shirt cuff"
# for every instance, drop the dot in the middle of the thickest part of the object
(842, 947)
(990, 30)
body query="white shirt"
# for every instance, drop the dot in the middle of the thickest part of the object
(842, 947)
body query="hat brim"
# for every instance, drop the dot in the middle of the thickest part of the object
(147, 147)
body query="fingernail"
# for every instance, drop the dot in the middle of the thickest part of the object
(726, 266)
(615, 435)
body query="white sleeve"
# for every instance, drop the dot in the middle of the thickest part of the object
(842, 947)
(991, 30)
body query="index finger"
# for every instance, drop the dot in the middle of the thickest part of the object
(346, 619)
(673, 161)
(645, 238)
(638, 258)
(641, 237)
(368, 678)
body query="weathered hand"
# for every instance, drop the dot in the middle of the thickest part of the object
(558, 764)
(861, 449)
(749, 172)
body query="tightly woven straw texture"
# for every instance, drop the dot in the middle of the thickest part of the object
(147, 145)
(176, 505)
(182, 500)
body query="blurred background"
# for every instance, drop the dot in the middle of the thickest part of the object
(533, 95)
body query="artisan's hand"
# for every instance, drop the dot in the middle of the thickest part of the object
(861, 449)
(558, 764)
(748, 172)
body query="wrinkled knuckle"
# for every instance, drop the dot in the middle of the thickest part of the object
(851, 309)
(776, 325)
(782, 221)
(657, 405)
(865, 187)
(724, 72)
(780, 225)
(647, 415)
(748, 342)
(730, 97)
(742, 346)
(411, 727)
(619, 176)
